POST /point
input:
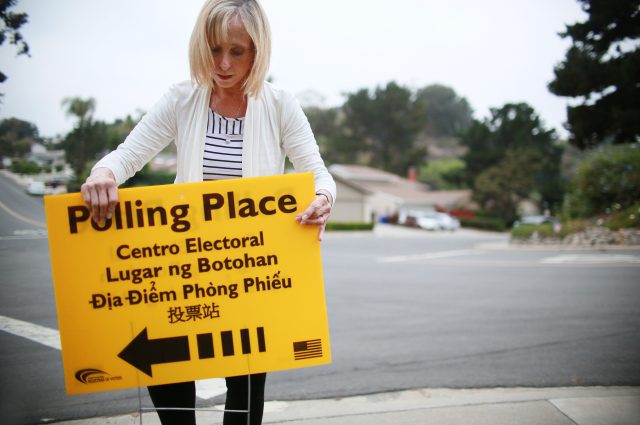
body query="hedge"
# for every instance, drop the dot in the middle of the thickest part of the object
(349, 226)
(20, 166)
(525, 231)
(484, 223)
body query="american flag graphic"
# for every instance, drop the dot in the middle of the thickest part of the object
(307, 349)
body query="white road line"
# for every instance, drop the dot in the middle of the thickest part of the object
(30, 232)
(22, 237)
(205, 389)
(25, 234)
(429, 256)
(592, 259)
(21, 217)
(36, 333)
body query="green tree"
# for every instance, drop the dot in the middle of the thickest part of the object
(602, 71)
(446, 114)
(87, 137)
(501, 187)
(118, 130)
(10, 23)
(515, 128)
(79, 108)
(16, 137)
(382, 126)
(446, 174)
(326, 124)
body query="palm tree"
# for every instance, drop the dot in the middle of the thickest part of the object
(82, 109)
(82, 143)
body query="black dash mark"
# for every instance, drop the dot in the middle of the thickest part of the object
(262, 347)
(205, 346)
(227, 343)
(244, 339)
(307, 349)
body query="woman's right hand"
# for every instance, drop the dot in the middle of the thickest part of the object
(100, 193)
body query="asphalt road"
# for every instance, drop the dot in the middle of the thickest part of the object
(406, 310)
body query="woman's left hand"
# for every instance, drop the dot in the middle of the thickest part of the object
(317, 213)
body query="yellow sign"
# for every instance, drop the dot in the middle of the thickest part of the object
(188, 281)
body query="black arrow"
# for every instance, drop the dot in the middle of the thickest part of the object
(143, 352)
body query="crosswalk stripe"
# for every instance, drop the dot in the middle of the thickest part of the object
(592, 259)
(36, 333)
(429, 255)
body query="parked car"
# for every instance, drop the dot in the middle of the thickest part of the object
(437, 221)
(428, 221)
(448, 222)
(55, 186)
(37, 188)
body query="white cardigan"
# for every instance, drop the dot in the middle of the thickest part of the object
(275, 128)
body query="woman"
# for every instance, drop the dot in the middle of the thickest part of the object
(226, 123)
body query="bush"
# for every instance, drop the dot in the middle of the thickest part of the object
(525, 231)
(608, 178)
(624, 219)
(573, 226)
(484, 223)
(349, 226)
(20, 166)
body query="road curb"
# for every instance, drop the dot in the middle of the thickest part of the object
(496, 406)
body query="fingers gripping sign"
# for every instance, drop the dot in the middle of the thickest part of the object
(317, 212)
(100, 193)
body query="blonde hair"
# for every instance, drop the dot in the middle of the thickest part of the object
(212, 27)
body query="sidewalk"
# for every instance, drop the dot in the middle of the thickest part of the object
(491, 406)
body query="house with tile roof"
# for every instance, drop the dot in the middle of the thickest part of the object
(367, 194)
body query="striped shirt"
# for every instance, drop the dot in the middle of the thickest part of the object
(223, 148)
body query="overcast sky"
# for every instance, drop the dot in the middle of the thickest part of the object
(126, 53)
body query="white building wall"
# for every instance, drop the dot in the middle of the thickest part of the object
(349, 206)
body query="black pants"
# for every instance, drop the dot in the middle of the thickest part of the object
(183, 395)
